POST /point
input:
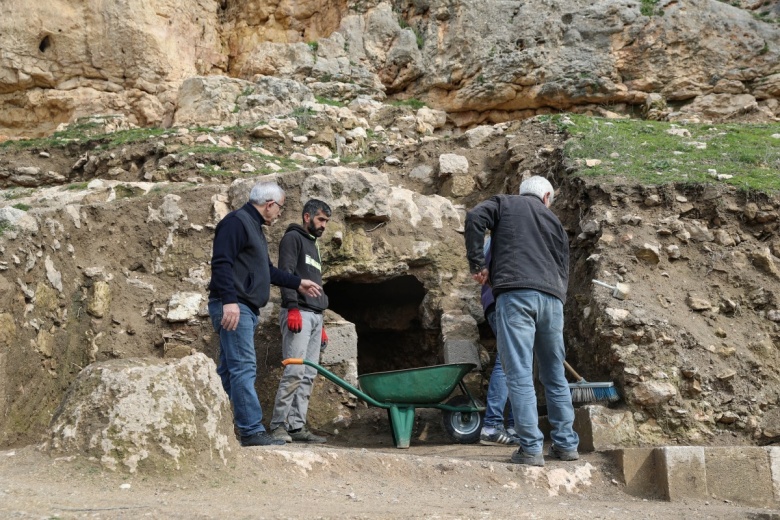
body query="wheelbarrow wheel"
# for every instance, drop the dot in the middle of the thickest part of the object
(463, 427)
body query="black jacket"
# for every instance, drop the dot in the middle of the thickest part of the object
(241, 271)
(530, 248)
(299, 255)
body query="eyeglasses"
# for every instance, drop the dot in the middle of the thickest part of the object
(281, 206)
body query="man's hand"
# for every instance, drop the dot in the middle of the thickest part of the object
(309, 288)
(230, 315)
(324, 340)
(294, 320)
(481, 277)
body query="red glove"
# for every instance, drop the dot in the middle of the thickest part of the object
(294, 320)
(324, 341)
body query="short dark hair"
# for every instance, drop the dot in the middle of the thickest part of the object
(312, 206)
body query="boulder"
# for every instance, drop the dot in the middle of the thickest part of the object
(145, 415)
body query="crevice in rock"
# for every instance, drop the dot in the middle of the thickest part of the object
(45, 43)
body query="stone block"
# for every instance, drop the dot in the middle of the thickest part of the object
(342, 342)
(462, 351)
(638, 467)
(741, 474)
(774, 466)
(601, 428)
(682, 472)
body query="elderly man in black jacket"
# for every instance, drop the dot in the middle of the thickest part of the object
(241, 278)
(529, 274)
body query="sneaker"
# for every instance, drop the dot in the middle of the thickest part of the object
(260, 439)
(513, 433)
(521, 457)
(305, 435)
(280, 433)
(496, 437)
(557, 453)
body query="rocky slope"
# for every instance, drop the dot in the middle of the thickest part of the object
(106, 242)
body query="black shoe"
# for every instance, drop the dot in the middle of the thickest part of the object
(260, 439)
(305, 435)
(560, 454)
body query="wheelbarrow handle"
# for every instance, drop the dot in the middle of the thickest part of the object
(337, 380)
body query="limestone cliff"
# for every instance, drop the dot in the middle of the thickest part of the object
(477, 60)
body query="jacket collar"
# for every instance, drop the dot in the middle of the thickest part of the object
(254, 213)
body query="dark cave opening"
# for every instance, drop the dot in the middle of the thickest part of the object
(387, 320)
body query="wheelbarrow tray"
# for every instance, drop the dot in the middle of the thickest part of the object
(425, 385)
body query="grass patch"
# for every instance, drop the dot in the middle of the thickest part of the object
(77, 186)
(84, 131)
(648, 7)
(327, 101)
(646, 152)
(5, 226)
(16, 193)
(133, 135)
(22, 206)
(411, 102)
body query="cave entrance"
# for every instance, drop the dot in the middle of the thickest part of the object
(387, 320)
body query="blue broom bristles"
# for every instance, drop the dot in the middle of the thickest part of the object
(584, 392)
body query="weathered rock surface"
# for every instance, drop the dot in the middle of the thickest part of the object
(134, 414)
(478, 61)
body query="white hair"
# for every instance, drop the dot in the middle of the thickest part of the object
(538, 186)
(263, 192)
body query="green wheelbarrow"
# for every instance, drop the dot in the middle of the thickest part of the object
(401, 391)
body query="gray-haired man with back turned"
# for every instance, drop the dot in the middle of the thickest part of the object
(529, 273)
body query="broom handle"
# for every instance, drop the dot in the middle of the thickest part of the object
(573, 372)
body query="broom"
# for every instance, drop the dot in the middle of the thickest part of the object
(584, 392)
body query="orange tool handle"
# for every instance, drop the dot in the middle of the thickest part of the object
(292, 361)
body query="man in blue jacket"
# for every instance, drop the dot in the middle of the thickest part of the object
(529, 274)
(241, 278)
(303, 334)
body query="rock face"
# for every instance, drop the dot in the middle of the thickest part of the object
(480, 61)
(145, 414)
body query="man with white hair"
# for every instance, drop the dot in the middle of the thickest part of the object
(241, 278)
(529, 274)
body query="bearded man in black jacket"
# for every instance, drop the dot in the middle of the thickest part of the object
(303, 333)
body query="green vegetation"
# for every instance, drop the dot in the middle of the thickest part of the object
(133, 135)
(16, 193)
(657, 152)
(22, 206)
(327, 101)
(411, 102)
(5, 226)
(85, 130)
(648, 7)
(313, 46)
(77, 186)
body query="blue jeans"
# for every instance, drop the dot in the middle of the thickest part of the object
(530, 323)
(497, 392)
(238, 367)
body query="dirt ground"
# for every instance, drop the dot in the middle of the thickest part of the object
(429, 480)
